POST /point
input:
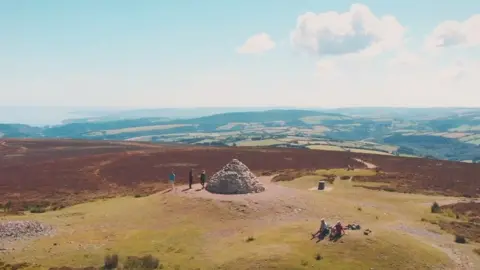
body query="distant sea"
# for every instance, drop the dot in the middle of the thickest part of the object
(47, 116)
(43, 116)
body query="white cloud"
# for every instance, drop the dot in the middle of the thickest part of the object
(325, 66)
(405, 59)
(258, 43)
(355, 31)
(455, 33)
(461, 70)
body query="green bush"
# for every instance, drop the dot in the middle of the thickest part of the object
(8, 206)
(147, 262)
(110, 262)
(250, 239)
(460, 239)
(37, 210)
(435, 208)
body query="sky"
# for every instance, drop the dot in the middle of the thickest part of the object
(191, 53)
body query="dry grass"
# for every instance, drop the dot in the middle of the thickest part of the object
(326, 147)
(368, 151)
(193, 233)
(266, 142)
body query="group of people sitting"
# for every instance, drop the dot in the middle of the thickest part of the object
(335, 231)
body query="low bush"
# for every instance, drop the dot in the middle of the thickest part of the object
(8, 206)
(250, 239)
(435, 208)
(37, 210)
(460, 239)
(147, 262)
(110, 262)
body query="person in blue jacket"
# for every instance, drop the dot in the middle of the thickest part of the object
(172, 179)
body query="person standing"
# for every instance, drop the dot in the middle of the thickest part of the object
(172, 179)
(190, 179)
(203, 178)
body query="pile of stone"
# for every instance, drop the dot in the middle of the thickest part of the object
(234, 178)
(16, 230)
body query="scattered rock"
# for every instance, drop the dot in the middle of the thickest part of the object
(234, 178)
(18, 230)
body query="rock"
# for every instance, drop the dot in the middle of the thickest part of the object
(234, 178)
(17, 230)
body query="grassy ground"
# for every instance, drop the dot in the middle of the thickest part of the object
(326, 147)
(197, 233)
(266, 142)
(136, 129)
(367, 151)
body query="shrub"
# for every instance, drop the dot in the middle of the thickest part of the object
(389, 189)
(344, 177)
(147, 262)
(435, 208)
(477, 251)
(110, 262)
(8, 206)
(460, 239)
(37, 210)
(250, 239)
(318, 257)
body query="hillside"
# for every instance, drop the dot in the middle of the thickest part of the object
(91, 199)
(442, 133)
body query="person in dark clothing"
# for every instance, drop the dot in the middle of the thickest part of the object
(203, 178)
(190, 178)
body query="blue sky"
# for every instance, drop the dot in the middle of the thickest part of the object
(187, 53)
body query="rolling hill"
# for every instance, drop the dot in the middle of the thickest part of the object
(443, 133)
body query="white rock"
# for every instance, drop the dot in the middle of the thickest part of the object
(234, 178)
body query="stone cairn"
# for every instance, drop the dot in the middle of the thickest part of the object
(234, 178)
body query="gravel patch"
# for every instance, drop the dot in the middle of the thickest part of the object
(12, 231)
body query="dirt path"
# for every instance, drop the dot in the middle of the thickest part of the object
(273, 194)
(276, 204)
(286, 203)
(369, 165)
(461, 258)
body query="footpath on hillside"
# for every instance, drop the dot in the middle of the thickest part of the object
(235, 183)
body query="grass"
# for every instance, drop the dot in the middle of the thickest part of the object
(135, 129)
(316, 120)
(368, 151)
(325, 147)
(266, 142)
(187, 233)
(286, 248)
(304, 182)
(344, 172)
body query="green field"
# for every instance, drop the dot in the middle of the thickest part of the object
(317, 120)
(135, 129)
(325, 147)
(267, 142)
(368, 151)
